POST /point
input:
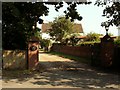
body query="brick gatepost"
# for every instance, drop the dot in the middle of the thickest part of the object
(107, 51)
(33, 53)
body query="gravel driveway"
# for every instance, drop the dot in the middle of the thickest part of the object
(59, 72)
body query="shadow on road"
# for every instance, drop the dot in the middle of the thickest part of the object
(65, 74)
(76, 76)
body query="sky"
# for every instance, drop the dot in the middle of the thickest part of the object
(92, 18)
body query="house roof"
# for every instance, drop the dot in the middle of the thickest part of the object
(81, 37)
(45, 27)
(77, 28)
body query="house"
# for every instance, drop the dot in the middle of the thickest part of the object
(46, 26)
(78, 28)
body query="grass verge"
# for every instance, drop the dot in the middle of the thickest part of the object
(76, 58)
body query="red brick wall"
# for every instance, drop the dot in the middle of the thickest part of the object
(82, 51)
(33, 58)
(86, 51)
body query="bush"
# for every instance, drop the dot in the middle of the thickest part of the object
(45, 43)
(93, 37)
(117, 42)
(72, 39)
(88, 43)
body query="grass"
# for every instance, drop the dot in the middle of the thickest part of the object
(76, 58)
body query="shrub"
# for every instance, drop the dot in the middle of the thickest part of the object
(93, 37)
(72, 39)
(117, 42)
(45, 43)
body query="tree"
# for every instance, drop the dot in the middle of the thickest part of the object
(45, 44)
(61, 27)
(71, 12)
(93, 37)
(72, 39)
(112, 12)
(19, 17)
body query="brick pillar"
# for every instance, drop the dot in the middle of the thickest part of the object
(107, 51)
(33, 53)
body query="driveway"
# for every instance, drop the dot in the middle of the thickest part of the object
(58, 72)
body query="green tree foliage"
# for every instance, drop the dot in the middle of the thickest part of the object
(112, 12)
(93, 37)
(117, 42)
(61, 27)
(71, 12)
(37, 33)
(72, 39)
(18, 19)
(45, 43)
(110, 34)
